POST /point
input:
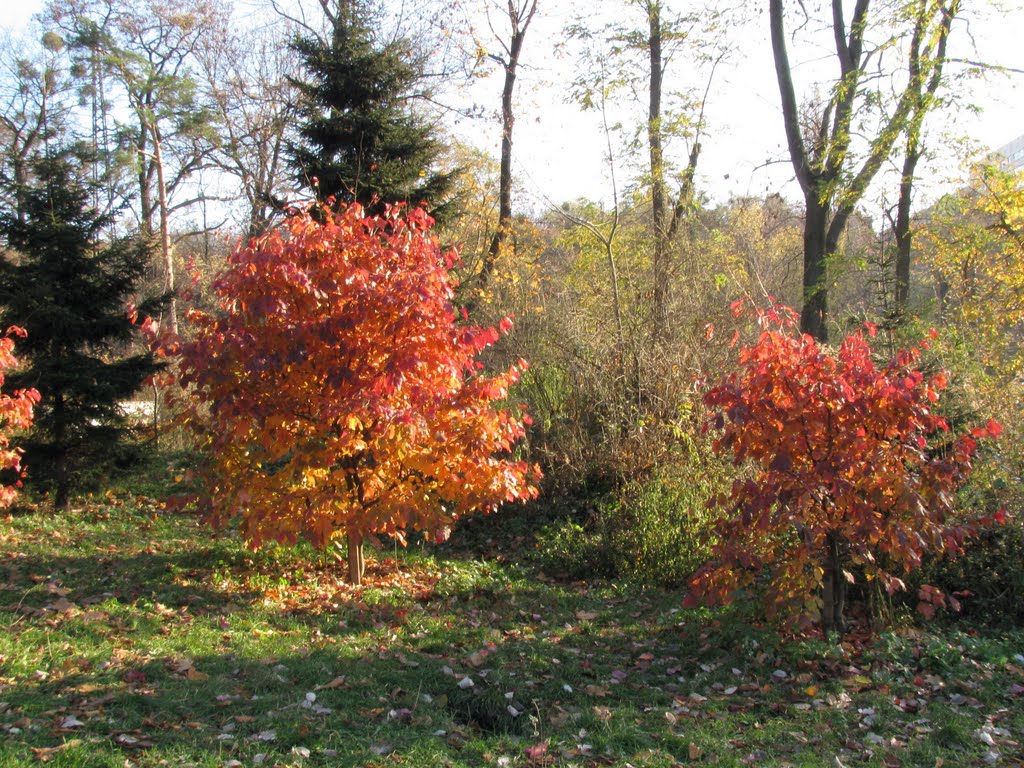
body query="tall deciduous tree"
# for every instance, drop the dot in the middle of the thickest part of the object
(519, 14)
(360, 140)
(336, 396)
(833, 169)
(149, 47)
(634, 58)
(58, 278)
(925, 63)
(34, 90)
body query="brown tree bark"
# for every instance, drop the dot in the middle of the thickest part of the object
(657, 161)
(832, 184)
(834, 588)
(519, 17)
(356, 563)
(935, 56)
(166, 250)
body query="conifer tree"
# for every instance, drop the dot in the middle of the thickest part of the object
(70, 290)
(359, 141)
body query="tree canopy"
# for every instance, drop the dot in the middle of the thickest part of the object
(360, 137)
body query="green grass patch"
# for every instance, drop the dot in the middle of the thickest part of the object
(131, 636)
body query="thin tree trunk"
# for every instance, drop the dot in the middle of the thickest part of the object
(356, 564)
(520, 21)
(903, 233)
(165, 233)
(925, 98)
(145, 192)
(62, 489)
(834, 588)
(658, 206)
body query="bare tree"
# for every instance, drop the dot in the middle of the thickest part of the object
(519, 14)
(246, 77)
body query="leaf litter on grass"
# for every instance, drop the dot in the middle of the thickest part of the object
(203, 653)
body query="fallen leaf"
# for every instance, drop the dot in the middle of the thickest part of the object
(63, 605)
(477, 659)
(857, 682)
(337, 682)
(44, 754)
(537, 755)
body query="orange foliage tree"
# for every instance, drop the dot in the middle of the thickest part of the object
(849, 465)
(15, 414)
(334, 393)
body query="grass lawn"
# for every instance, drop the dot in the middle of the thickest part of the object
(134, 637)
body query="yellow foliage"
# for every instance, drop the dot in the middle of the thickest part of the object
(974, 242)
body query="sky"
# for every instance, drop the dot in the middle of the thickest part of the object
(560, 151)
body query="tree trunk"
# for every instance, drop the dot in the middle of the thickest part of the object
(658, 205)
(520, 20)
(165, 233)
(145, 192)
(814, 314)
(834, 588)
(356, 564)
(62, 489)
(924, 102)
(903, 233)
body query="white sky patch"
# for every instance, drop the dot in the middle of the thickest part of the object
(560, 151)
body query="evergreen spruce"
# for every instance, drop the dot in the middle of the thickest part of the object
(69, 288)
(359, 141)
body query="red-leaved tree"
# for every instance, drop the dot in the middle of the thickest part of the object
(335, 395)
(15, 414)
(847, 465)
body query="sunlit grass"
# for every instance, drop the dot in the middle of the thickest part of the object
(131, 636)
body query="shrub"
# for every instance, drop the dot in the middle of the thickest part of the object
(656, 531)
(16, 412)
(988, 576)
(853, 469)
